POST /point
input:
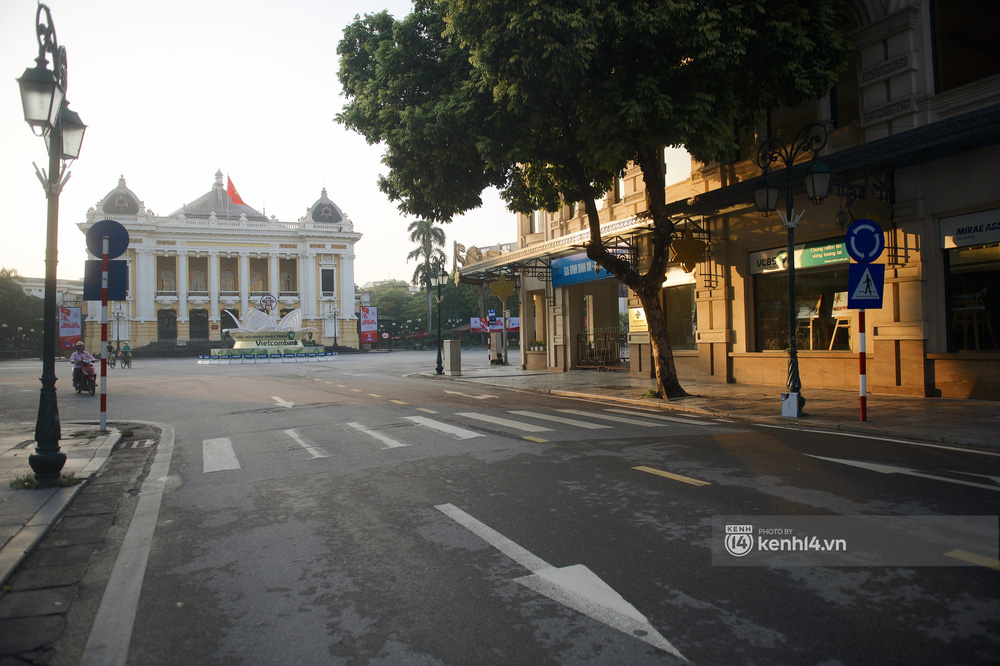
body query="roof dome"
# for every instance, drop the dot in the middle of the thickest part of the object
(217, 201)
(120, 201)
(324, 210)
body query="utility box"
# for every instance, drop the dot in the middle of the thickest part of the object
(453, 358)
(790, 405)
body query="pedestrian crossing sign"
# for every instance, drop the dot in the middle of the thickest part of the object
(865, 285)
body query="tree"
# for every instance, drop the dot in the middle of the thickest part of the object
(19, 312)
(565, 94)
(428, 254)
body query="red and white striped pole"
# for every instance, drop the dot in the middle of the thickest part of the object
(861, 355)
(104, 334)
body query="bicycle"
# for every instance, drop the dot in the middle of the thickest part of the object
(111, 360)
(126, 360)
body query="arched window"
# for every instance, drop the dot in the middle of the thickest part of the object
(228, 281)
(256, 281)
(168, 280)
(287, 284)
(199, 281)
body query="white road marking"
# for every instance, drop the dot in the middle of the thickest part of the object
(314, 451)
(574, 586)
(661, 417)
(507, 423)
(474, 397)
(909, 442)
(111, 632)
(454, 431)
(561, 419)
(218, 455)
(282, 403)
(608, 417)
(889, 469)
(389, 442)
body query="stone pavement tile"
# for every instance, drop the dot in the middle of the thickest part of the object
(32, 577)
(49, 557)
(79, 531)
(22, 635)
(36, 603)
(24, 502)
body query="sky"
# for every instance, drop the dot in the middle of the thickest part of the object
(174, 90)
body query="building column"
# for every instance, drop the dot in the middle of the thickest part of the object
(347, 286)
(274, 287)
(213, 286)
(244, 280)
(307, 286)
(182, 286)
(145, 296)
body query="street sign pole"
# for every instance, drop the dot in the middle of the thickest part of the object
(864, 242)
(105, 244)
(863, 362)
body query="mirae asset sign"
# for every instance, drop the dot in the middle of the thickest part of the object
(977, 228)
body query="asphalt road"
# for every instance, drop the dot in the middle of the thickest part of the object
(351, 512)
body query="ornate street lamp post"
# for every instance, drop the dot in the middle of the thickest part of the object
(437, 281)
(812, 137)
(43, 96)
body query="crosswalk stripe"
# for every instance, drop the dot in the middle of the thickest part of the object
(218, 455)
(455, 431)
(314, 451)
(660, 417)
(608, 417)
(508, 423)
(561, 419)
(389, 442)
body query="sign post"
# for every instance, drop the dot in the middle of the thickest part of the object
(865, 242)
(107, 239)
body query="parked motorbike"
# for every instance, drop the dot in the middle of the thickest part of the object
(87, 380)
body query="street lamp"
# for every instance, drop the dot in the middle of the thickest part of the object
(43, 98)
(812, 137)
(436, 281)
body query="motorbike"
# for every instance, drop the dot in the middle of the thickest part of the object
(87, 380)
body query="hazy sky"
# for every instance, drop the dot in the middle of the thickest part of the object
(172, 90)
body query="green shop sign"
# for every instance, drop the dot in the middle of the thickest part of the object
(807, 255)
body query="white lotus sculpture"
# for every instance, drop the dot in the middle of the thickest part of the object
(257, 321)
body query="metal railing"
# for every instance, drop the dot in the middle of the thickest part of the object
(604, 349)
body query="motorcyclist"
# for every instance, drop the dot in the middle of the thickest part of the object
(78, 358)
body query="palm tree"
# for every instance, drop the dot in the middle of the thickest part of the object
(429, 239)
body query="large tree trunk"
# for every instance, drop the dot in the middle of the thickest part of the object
(649, 285)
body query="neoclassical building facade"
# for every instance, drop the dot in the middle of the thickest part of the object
(191, 271)
(913, 123)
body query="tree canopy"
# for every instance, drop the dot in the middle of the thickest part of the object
(548, 100)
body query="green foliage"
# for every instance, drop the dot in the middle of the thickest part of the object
(17, 310)
(548, 100)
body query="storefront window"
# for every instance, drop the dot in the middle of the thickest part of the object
(974, 297)
(682, 316)
(822, 319)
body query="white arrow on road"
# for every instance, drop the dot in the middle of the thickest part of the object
(889, 469)
(474, 397)
(574, 586)
(282, 403)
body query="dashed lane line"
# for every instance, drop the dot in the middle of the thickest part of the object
(675, 477)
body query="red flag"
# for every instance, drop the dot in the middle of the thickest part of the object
(233, 194)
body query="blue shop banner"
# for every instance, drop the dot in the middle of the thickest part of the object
(575, 269)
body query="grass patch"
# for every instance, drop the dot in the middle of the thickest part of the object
(29, 482)
(653, 393)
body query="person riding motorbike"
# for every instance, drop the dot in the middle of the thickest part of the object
(78, 358)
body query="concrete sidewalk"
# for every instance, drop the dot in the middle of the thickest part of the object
(973, 423)
(27, 515)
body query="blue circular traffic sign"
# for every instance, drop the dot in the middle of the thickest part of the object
(116, 234)
(864, 240)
